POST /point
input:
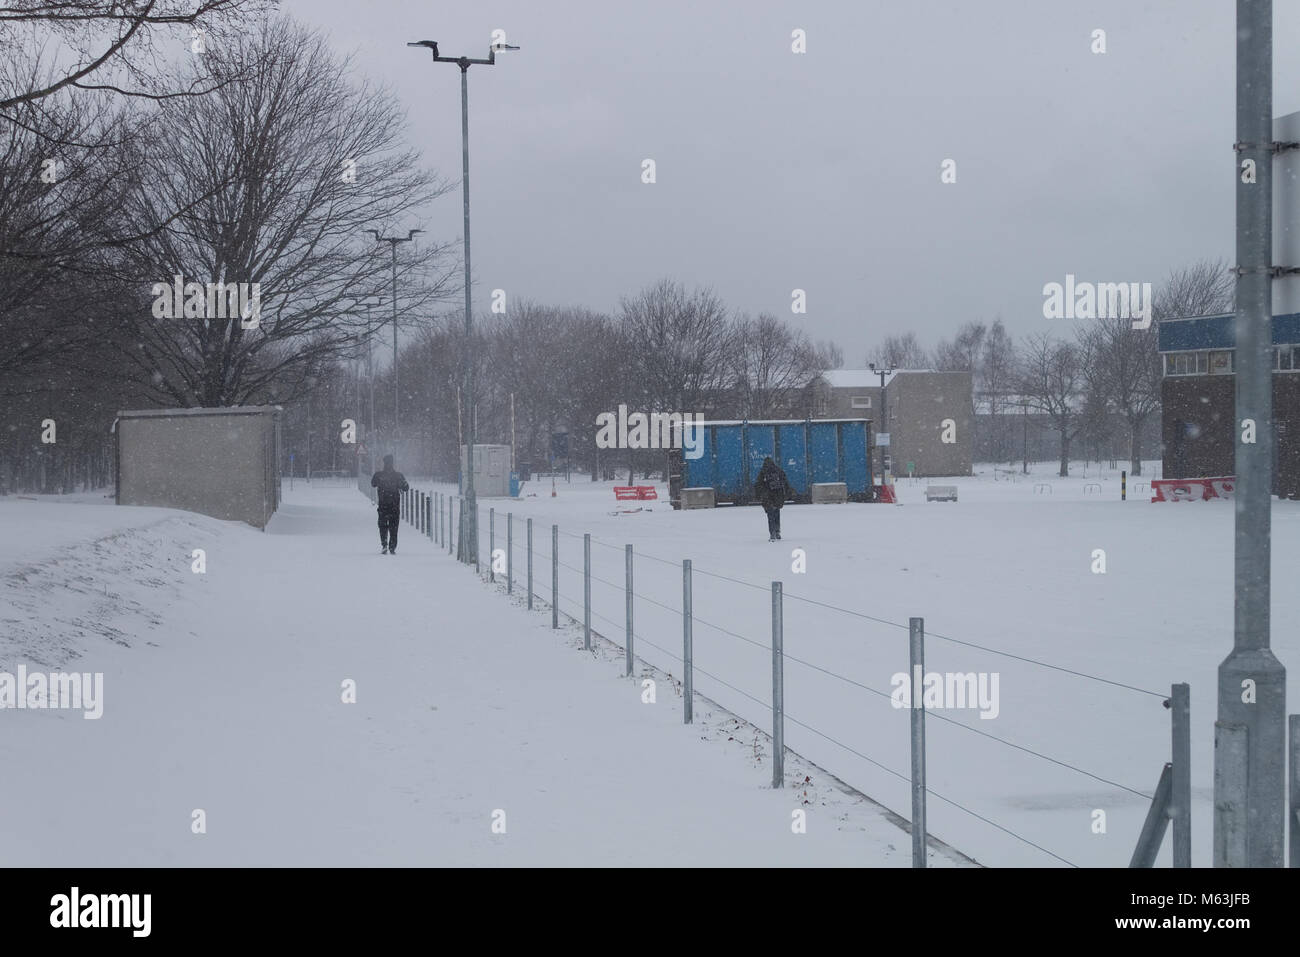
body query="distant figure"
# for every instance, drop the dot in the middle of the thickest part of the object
(391, 484)
(772, 488)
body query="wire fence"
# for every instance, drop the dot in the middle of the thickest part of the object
(834, 649)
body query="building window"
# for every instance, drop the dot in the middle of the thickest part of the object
(1285, 359)
(1220, 363)
(861, 401)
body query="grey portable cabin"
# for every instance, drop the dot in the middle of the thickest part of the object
(219, 462)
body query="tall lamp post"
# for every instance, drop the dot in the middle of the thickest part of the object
(469, 513)
(392, 243)
(884, 421)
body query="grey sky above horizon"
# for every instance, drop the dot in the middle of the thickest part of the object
(821, 170)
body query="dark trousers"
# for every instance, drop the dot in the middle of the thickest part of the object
(388, 521)
(773, 521)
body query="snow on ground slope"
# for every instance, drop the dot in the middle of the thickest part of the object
(222, 693)
(1009, 567)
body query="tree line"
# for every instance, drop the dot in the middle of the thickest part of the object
(1098, 383)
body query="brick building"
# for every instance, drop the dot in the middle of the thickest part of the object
(1198, 396)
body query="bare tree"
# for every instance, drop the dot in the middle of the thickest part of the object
(116, 45)
(900, 352)
(997, 382)
(1051, 381)
(302, 163)
(681, 344)
(773, 365)
(1205, 288)
(965, 352)
(829, 354)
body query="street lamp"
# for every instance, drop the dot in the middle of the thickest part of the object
(884, 421)
(469, 528)
(392, 243)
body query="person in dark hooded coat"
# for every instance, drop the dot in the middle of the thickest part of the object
(391, 484)
(772, 488)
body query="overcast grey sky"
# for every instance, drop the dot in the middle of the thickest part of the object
(821, 170)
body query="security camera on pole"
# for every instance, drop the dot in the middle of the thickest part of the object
(469, 511)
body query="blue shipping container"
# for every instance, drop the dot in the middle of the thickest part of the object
(809, 450)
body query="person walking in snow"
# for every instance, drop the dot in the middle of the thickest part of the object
(391, 484)
(772, 488)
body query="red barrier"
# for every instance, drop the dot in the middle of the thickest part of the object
(1193, 490)
(885, 493)
(635, 493)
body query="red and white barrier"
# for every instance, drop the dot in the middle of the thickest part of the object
(1194, 489)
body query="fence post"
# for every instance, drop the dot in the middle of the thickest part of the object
(1293, 729)
(428, 516)
(1180, 805)
(437, 521)
(555, 576)
(530, 564)
(586, 591)
(1157, 819)
(474, 545)
(510, 552)
(687, 654)
(1230, 768)
(916, 652)
(627, 553)
(1123, 497)
(492, 544)
(778, 688)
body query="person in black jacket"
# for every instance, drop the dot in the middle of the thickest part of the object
(391, 484)
(772, 488)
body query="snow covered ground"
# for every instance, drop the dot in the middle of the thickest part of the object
(228, 695)
(1009, 567)
(223, 693)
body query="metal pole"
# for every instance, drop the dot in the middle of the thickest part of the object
(530, 564)
(393, 246)
(778, 688)
(688, 668)
(555, 576)
(586, 591)
(916, 652)
(492, 544)
(1251, 672)
(1230, 790)
(370, 372)
(510, 552)
(627, 553)
(1123, 486)
(1156, 821)
(1293, 723)
(471, 430)
(1180, 808)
